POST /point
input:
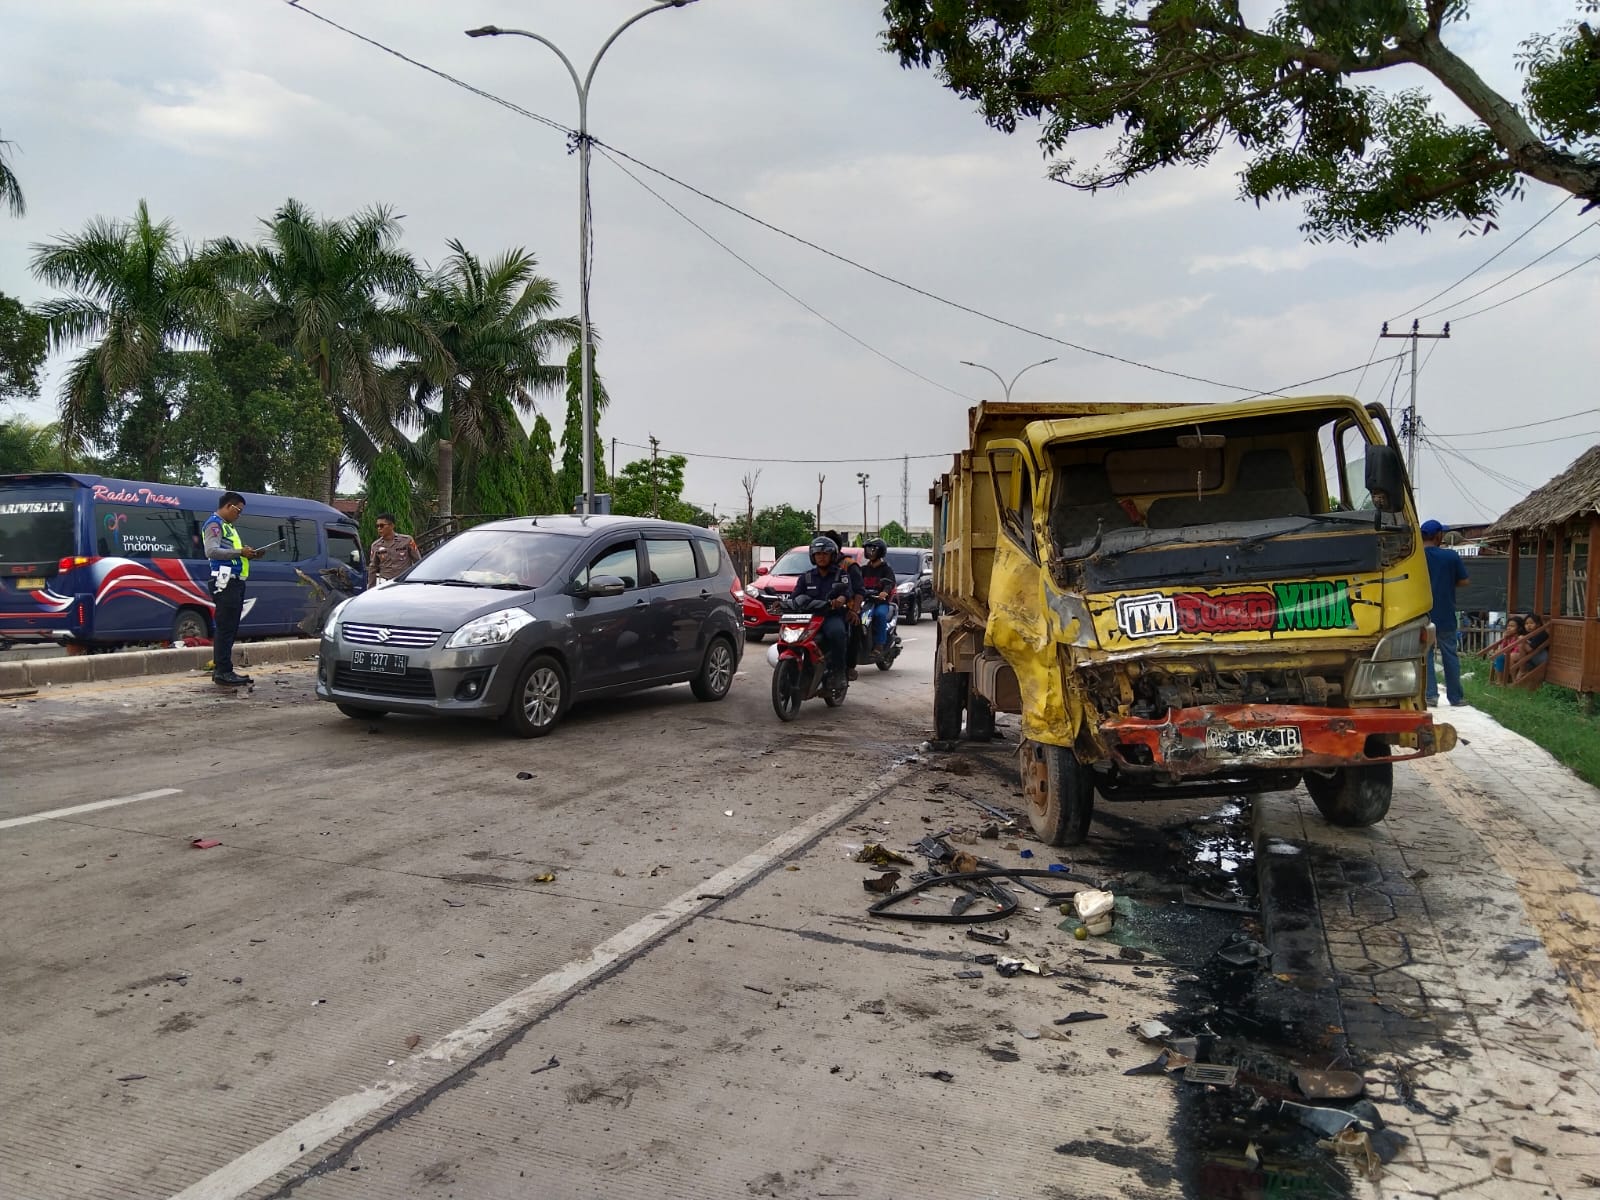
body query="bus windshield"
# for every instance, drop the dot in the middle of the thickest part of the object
(37, 525)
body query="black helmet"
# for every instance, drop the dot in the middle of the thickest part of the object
(875, 547)
(823, 545)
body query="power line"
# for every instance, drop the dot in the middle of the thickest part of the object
(1508, 482)
(1456, 483)
(745, 458)
(803, 304)
(1582, 263)
(1484, 263)
(838, 257)
(1508, 278)
(1542, 442)
(1582, 412)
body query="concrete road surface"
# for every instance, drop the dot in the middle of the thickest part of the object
(647, 969)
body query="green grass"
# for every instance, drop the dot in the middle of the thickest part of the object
(1552, 718)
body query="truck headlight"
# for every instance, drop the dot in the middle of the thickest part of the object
(492, 629)
(1384, 680)
(1410, 640)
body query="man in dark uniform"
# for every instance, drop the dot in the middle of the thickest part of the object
(230, 567)
(878, 581)
(858, 590)
(826, 588)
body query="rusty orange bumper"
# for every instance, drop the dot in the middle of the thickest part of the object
(1212, 739)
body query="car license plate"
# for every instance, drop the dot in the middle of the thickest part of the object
(383, 664)
(29, 583)
(1268, 741)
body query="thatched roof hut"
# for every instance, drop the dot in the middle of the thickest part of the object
(1575, 492)
(1558, 526)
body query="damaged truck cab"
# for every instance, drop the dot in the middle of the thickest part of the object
(1184, 600)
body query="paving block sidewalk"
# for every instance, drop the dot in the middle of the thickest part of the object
(1463, 935)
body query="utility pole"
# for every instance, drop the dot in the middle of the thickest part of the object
(613, 459)
(821, 479)
(862, 477)
(1409, 425)
(878, 500)
(905, 492)
(655, 478)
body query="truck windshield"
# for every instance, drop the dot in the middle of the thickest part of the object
(37, 525)
(1244, 498)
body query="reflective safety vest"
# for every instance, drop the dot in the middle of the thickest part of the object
(230, 535)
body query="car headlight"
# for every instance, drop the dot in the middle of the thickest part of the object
(1384, 680)
(750, 590)
(1408, 641)
(330, 627)
(492, 629)
(906, 588)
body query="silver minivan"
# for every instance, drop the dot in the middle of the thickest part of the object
(517, 619)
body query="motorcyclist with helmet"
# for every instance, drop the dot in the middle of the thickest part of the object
(857, 591)
(826, 588)
(878, 581)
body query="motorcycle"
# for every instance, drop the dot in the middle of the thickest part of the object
(798, 662)
(891, 647)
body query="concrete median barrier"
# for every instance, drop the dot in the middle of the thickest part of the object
(129, 664)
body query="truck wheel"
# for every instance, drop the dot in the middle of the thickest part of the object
(949, 701)
(1060, 793)
(1354, 796)
(980, 718)
(190, 623)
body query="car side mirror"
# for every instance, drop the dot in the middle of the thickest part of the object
(355, 558)
(601, 586)
(763, 570)
(1385, 478)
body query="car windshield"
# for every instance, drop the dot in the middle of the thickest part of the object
(496, 558)
(906, 564)
(37, 525)
(796, 562)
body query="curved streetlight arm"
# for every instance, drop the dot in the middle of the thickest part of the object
(496, 31)
(1018, 375)
(991, 371)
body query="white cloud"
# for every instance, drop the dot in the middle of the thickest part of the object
(1152, 319)
(1266, 259)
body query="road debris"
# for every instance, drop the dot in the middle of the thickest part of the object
(876, 1008)
(1212, 1074)
(549, 1066)
(456, 903)
(969, 975)
(1535, 1147)
(1077, 1018)
(1329, 1085)
(130, 1078)
(524, 775)
(990, 939)
(879, 855)
(1156, 1066)
(883, 884)
(1008, 967)
(1150, 1031)
(941, 1076)
(1242, 952)
(546, 877)
(204, 843)
(1003, 1053)
(413, 1042)
(1095, 911)
(750, 987)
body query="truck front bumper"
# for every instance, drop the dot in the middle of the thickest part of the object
(1216, 739)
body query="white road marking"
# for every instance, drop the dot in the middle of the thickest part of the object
(260, 1164)
(54, 813)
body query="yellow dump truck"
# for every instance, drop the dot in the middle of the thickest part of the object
(1185, 600)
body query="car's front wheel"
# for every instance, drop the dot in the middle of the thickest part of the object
(539, 698)
(716, 671)
(914, 612)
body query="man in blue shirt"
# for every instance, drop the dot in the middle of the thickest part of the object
(826, 588)
(1446, 572)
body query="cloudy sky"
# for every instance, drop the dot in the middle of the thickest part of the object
(215, 112)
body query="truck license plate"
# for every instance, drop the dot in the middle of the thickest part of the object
(383, 664)
(1269, 741)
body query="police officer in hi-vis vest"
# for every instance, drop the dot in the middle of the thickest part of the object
(230, 567)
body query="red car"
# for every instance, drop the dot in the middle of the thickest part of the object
(763, 597)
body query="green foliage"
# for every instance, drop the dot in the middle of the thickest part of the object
(783, 526)
(1553, 718)
(261, 415)
(24, 341)
(570, 478)
(544, 495)
(388, 490)
(1179, 81)
(650, 487)
(10, 189)
(894, 533)
(26, 446)
(497, 483)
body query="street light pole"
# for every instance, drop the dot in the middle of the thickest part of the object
(584, 242)
(1014, 378)
(862, 478)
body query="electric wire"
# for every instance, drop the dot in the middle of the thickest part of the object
(1456, 483)
(1454, 304)
(1527, 291)
(1484, 263)
(871, 349)
(1510, 483)
(746, 458)
(1582, 412)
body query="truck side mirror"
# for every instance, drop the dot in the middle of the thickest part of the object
(355, 558)
(1385, 478)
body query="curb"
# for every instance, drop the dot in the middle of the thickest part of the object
(96, 668)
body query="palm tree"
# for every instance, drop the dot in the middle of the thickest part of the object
(10, 189)
(137, 294)
(333, 292)
(494, 322)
